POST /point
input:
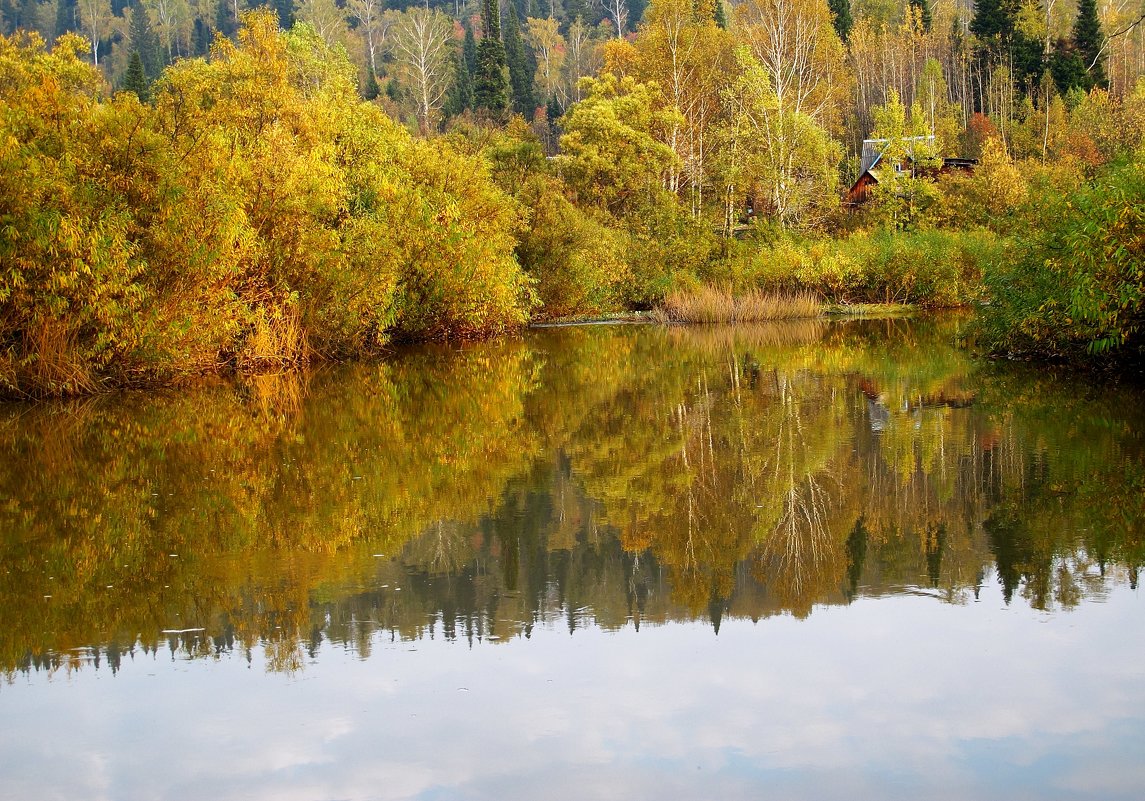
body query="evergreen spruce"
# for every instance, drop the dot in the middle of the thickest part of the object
(66, 16)
(991, 20)
(371, 89)
(469, 51)
(135, 80)
(841, 9)
(9, 17)
(578, 9)
(636, 9)
(224, 22)
(201, 37)
(924, 14)
(490, 78)
(1027, 56)
(145, 41)
(721, 16)
(521, 67)
(24, 15)
(1087, 41)
(285, 11)
(1068, 69)
(460, 95)
(553, 110)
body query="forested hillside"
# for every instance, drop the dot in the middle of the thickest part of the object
(189, 188)
(422, 59)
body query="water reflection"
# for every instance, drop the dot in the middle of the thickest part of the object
(604, 477)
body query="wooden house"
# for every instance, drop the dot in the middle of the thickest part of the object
(872, 165)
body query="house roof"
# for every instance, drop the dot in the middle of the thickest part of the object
(873, 150)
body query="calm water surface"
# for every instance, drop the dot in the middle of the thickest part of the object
(805, 561)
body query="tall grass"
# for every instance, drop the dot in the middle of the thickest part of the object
(718, 305)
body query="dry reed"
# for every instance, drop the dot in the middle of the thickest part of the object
(716, 305)
(57, 367)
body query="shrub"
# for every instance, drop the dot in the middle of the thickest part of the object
(1078, 284)
(259, 213)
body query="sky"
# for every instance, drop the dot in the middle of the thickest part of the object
(893, 697)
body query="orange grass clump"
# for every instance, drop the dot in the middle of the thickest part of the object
(716, 305)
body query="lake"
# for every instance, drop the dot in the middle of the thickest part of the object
(811, 560)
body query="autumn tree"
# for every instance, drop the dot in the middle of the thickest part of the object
(795, 43)
(616, 11)
(422, 48)
(326, 17)
(789, 95)
(785, 156)
(545, 38)
(372, 25)
(609, 155)
(97, 19)
(682, 50)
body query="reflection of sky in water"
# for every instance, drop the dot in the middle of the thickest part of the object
(897, 697)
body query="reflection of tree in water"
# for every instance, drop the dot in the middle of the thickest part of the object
(798, 552)
(856, 550)
(444, 548)
(611, 477)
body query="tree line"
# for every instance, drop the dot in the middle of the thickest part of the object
(259, 207)
(423, 59)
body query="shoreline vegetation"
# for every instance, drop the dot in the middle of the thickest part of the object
(251, 210)
(710, 304)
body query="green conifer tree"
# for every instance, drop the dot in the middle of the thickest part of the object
(841, 9)
(578, 9)
(145, 41)
(371, 89)
(285, 11)
(460, 96)
(66, 16)
(721, 15)
(201, 37)
(1088, 41)
(225, 24)
(521, 70)
(636, 9)
(924, 13)
(135, 80)
(491, 77)
(469, 51)
(991, 20)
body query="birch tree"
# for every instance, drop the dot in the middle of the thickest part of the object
(421, 42)
(327, 19)
(97, 19)
(683, 51)
(789, 159)
(617, 13)
(543, 35)
(579, 61)
(372, 25)
(796, 44)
